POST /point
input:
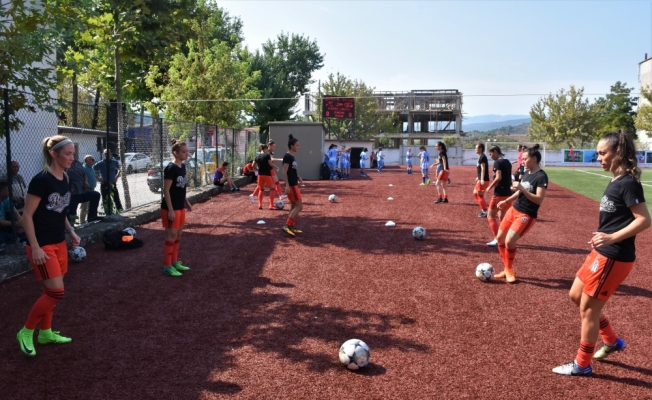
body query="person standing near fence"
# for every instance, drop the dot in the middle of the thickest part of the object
(292, 180)
(173, 208)
(89, 161)
(108, 180)
(45, 222)
(80, 194)
(18, 186)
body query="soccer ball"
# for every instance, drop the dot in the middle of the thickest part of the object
(332, 198)
(78, 254)
(484, 272)
(354, 354)
(280, 204)
(419, 233)
(130, 231)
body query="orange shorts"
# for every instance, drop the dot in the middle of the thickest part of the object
(265, 180)
(443, 176)
(493, 203)
(517, 222)
(273, 172)
(601, 275)
(481, 188)
(295, 194)
(179, 218)
(55, 266)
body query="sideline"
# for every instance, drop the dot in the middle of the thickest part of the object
(605, 176)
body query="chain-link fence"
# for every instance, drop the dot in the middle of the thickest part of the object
(140, 149)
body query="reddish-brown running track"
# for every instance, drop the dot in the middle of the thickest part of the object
(262, 315)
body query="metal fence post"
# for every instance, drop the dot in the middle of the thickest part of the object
(160, 138)
(196, 148)
(232, 151)
(106, 196)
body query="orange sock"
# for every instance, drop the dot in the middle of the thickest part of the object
(43, 308)
(585, 354)
(607, 331)
(494, 224)
(502, 250)
(255, 193)
(278, 188)
(271, 199)
(168, 249)
(483, 203)
(289, 222)
(510, 255)
(261, 195)
(175, 251)
(445, 196)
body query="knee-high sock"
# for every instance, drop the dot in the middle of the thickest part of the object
(585, 354)
(261, 195)
(494, 225)
(168, 249)
(502, 250)
(43, 309)
(479, 200)
(607, 331)
(256, 190)
(175, 251)
(510, 255)
(290, 221)
(271, 198)
(278, 188)
(482, 202)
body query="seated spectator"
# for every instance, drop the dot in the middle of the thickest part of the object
(221, 177)
(250, 170)
(7, 215)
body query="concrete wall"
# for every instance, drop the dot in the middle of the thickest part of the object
(311, 141)
(645, 79)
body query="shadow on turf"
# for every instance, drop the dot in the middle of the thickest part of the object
(566, 283)
(221, 387)
(552, 249)
(640, 370)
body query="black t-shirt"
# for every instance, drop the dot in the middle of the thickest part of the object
(531, 182)
(178, 189)
(50, 215)
(615, 214)
(263, 164)
(482, 160)
(443, 159)
(293, 176)
(503, 188)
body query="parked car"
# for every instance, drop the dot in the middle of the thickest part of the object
(135, 162)
(155, 174)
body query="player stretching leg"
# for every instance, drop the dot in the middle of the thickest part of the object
(442, 177)
(173, 208)
(502, 185)
(45, 222)
(424, 163)
(482, 180)
(292, 181)
(623, 215)
(529, 194)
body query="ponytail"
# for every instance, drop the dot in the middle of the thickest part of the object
(533, 152)
(625, 159)
(292, 141)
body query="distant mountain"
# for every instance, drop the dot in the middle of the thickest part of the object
(478, 119)
(487, 126)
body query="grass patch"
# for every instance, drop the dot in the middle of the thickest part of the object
(591, 182)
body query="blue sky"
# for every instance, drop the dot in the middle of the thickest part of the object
(477, 47)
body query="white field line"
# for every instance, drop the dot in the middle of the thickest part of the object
(605, 176)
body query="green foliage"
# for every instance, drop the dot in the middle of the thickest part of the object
(286, 66)
(450, 140)
(521, 129)
(616, 111)
(644, 115)
(368, 122)
(563, 118)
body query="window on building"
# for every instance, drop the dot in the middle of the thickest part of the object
(416, 142)
(431, 126)
(432, 142)
(417, 127)
(405, 142)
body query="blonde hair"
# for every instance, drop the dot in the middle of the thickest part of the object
(48, 144)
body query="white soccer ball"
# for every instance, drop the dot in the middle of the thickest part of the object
(484, 272)
(332, 198)
(280, 204)
(419, 233)
(130, 231)
(354, 354)
(78, 254)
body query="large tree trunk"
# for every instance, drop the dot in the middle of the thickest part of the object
(96, 110)
(121, 118)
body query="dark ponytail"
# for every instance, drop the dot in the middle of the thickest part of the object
(533, 152)
(292, 141)
(625, 159)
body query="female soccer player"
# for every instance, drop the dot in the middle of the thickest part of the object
(529, 194)
(363, 161)
(271, 147)
(292, 181)
(424, 163)
(408, 160)
(482, 181)
(332, 160)
(45, 222)
(442, 176)
(501, 184)
(381, 159)
(265, 167)
(519, 162)
(173, 208)
(346, 163)
(623, 215)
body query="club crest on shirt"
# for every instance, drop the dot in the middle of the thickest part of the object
(527, 186)
(294, 164)
(57, 202)
(524, 220)
(594, 266)
(181, 181)
(607, 205)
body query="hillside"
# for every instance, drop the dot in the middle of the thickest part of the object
(487, 126)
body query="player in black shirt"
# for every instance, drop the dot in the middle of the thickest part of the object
(173, 208)
(265, 167)
(45, 222)
(482, 181)
(502, 186)
(519, 219)
(292, 181)
(442, 177)
(623, 215)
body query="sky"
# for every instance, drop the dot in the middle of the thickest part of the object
(488, 50)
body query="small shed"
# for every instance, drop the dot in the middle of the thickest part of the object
(311, 141)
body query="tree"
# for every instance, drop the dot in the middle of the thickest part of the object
(644, 115)
(286, 66)
(368, 121)
(563, 118)
(617, 111)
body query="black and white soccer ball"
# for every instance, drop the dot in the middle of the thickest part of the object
(78, 254)
(332, 198)
(484, 272)
(354, 354)
(130, 231)
(419, 233)
(280, 204)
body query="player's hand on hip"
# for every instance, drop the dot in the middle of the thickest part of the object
(38, 256)
(171, 215)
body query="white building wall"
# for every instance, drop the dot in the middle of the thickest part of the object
(645, 79)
